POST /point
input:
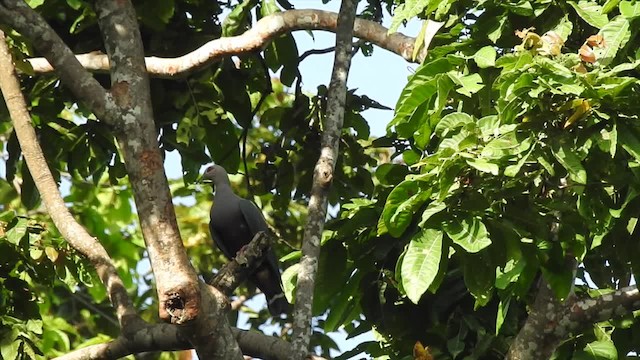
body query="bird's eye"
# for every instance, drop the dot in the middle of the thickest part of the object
(210, 168)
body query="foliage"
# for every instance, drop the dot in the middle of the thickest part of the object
(509, 158)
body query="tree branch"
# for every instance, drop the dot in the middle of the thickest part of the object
(265, 30)
(167, 337)
(176, 280)
(237, 270)
(72, 231)
(551, 321)
(536, 339)
(322, 178)
(589, 311)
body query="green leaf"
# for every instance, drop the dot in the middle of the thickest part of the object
(421, 263)
(344, 303)
(35, 3)
(289, 282)
(425, 36)
(506, 145)
(513, 170)
(433, 208)
(268, 7)
(9, 350)
(510, 273)
(451, 122)
(469, 232)
(613, 140)
(484, 166)
(17, 232)
(630, 9)
(234, 23)
(616, 34)
(408, 11)
(560, 282)
(546, 165)
(503, 309)
(485, 57)
(609, 5)
(469, 84)
(479, 277)
(400, 206)
(599, 350)
(628, 140)
(411, 108)
(156, 14)
(567, 157)
(564, 28)
(497, 27)
(590, 12)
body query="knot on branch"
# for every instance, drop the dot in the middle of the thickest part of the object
(180, 306)
(324, 173)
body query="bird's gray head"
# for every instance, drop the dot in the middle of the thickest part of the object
(216, 174)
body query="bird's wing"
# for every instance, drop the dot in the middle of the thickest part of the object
(217, 239)
(253, 216)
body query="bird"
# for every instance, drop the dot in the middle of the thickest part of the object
(234, 222)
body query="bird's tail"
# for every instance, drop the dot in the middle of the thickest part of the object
(278, 305)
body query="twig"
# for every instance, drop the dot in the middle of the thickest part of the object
(322, 178)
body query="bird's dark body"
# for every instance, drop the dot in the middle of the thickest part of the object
(234, 223)
(227, 225)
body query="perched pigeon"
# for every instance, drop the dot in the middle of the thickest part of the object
(234, 222)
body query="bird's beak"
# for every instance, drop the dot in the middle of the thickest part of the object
(204, 179)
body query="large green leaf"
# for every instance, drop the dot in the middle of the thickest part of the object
(451, 122)
(567, 157)
(469, 232)
(409, 9)
(468, 84)
(598, 350)
(17, 231)
(401, 204)
(485, 57)
(590, 12)
(506, 145)
(421, 262)
(616, 34)
(628, 140)
(479, 277)
(630, 9)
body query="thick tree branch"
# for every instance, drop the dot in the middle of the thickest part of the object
(21, 17)
(176, 280)
(322, 178)
(73, 232)
(167, 337)
(265, 30)
(210, 333)
(550, 321)
(583, 312)
(536, 339)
